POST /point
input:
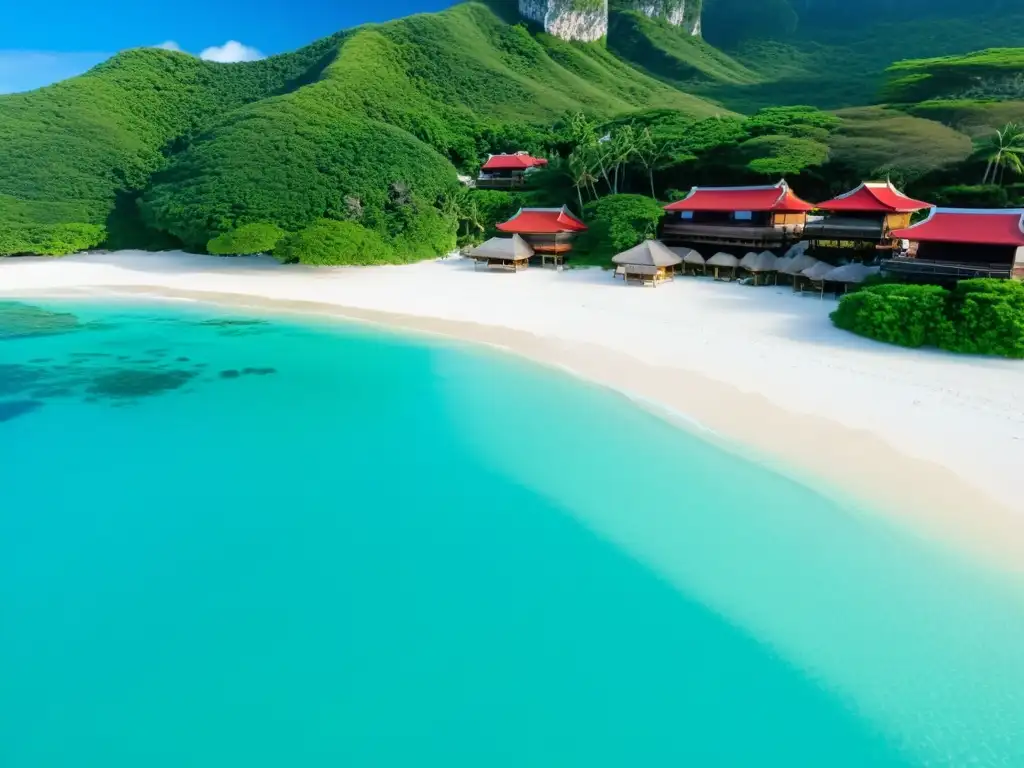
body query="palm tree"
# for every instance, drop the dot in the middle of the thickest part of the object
(649, 153)
(623, 147)
(581, 171)
(1004, 150)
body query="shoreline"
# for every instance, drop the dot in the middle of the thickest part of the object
(919, 495)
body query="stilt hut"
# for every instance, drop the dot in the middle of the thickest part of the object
(763, 268)
(693, 263)
(508, 253)
(723, 266)
(549, 231)
(739, 217)
(859, 225)
(957, 243)
(508, 171)
(649, 263)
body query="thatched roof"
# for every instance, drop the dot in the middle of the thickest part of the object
(651, 253)
(748, 259)
(763, 262)
(723, 260)
(799, 263)
(688, 255)
(817, 271)
(850, 273)
(505, 248)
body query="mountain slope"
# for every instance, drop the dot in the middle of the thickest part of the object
(414, 95)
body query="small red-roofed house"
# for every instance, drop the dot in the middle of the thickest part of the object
(508, 171)
(549, 231)
(858, 225)
(750, 217)
(958, 243)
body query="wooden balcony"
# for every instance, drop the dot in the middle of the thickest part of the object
(723, 234)
(914, 267)
(516, 182)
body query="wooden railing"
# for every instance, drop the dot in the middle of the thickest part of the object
(501, 183)
(907, 265)
(731, 235)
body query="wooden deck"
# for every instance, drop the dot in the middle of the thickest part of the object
(513, 183)
(907, 265)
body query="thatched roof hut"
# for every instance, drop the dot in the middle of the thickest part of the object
(651, 262)
(650, 253)
(763, 262)
(689, 256)
(722, 259)
(817, 271)
(799, 263)
(503, 253)
(748, 259)
(850, 273)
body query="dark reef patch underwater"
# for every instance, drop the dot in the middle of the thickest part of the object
(92, 367)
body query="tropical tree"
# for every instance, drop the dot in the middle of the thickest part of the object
(649, 153)
(1004, 150)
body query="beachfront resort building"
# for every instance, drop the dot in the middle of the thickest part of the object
(859, 225)
(549, 231)
(506, 253)
(957, 243)
(768, 217)
(508, 171)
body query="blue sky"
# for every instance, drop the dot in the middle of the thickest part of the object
(41, 43)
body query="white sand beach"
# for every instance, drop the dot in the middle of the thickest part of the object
(935, 438)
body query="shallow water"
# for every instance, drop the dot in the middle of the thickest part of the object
(228, 540)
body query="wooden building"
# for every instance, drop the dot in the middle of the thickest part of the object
(957, 243)
(508, 253)
(737, 217)
(649, 263)
(508, 171)
(549, 231)
(859, 225)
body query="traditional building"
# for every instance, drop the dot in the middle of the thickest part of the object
(508, 171)
(737, 217)
(859, 225)
(508, 253)
(549, 231)
(956, 243)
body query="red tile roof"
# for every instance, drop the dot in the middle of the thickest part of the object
(542, 221)
(968, 225)
(520, 161)
(776, 197)
(869, 197)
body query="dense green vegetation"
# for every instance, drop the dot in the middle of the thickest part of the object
(616, 222)
(156, 149)
(258, 237)
(984, 317)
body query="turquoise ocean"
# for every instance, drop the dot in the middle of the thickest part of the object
(234, 540)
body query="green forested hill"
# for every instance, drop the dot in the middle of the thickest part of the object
(293, 136)
(156, 148)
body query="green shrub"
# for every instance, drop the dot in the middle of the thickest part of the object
(908, 315)
(425, 234)
(616, 223)
(989, 317)
(49, 240)
(982, 316)
(247, 239)
(329, 242)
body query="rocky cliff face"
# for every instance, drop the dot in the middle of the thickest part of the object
(584, 20)
(680, 13)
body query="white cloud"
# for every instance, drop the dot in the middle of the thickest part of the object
(22, 70)
(230, 52)
(169, 45)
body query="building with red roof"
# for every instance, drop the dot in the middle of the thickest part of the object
(508, 171)
(956, 243)
(549, 231)
(858, 224)
(751, 217)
